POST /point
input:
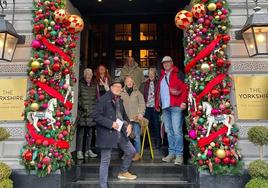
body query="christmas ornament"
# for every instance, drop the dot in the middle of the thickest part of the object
(220, 153)
(35, 65)
(34, 106)
(212, 7)
(205, 67)
(192, 134)
(28, 155)
(183, 19)
(199, 10)
(75, 24)
(36, 44)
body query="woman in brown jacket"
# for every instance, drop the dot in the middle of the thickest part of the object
(135, 108)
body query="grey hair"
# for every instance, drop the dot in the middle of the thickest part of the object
(88, 71)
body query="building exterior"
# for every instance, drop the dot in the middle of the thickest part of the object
(241, 65)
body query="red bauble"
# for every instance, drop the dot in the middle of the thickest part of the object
(228, 153)
(217, 160)
(220, 62)
(41, 97)
(226, 141)
(226, 38)
(200, 162)
(203, 149)
(232, 161)
(66, 71)
(215, 93)
(38, 142)
(28, 155)
(72, 45)
(46, 160)
(226, 160)
(56, 67)
(219, 5)
(225, 91)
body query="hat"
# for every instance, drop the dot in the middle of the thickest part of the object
(166, 58)
(117, 81)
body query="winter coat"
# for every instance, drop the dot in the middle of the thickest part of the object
(135, 72)
(86, 103)
(134, 104)
(104, 115)
(145, 89)
(174, 83)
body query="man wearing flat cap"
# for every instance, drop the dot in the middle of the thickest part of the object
(113, 128)
(171, 97)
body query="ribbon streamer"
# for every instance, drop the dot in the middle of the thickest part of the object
(207, 140)
(52, 92)
(55, 49)
(59, 143)
(203, 53)
(215, 81)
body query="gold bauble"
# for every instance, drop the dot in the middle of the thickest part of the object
(212, 144)
(220, 153)
(212, 7)
(35, 65)
(205, 67)
(34, 106)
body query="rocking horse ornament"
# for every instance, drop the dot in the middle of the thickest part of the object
(227, 120)
(34, 117)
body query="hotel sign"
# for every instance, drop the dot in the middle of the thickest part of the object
(12, 96)
(252, 97)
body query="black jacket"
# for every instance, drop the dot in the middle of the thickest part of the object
(104, 115)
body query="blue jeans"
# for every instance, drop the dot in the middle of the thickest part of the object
(173, 121)
(129, 152)
(137, 140)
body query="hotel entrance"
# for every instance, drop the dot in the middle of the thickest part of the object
(144, 30)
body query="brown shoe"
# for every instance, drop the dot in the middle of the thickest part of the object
(126, 176)
(137, 157)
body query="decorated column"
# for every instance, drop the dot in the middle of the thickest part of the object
(212, 132)
(49, 101)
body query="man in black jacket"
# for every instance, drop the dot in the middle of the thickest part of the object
(108, 114)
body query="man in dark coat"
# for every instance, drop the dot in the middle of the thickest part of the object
(108, 114)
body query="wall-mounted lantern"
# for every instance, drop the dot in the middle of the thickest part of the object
(255, 32)
(9, 38)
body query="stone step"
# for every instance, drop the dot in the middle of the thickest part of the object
(139, 183)
(155, 169)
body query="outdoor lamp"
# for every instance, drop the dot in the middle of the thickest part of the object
(9, 38)
(255, 32)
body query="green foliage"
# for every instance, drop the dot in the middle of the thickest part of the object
(258, 168)
(257, 183)
(6, 183)
(4, 134)
(5, 171)
(258, 135)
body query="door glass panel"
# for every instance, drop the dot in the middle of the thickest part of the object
(120, 55)
(148, 32)
(148, 57)
(123, 32)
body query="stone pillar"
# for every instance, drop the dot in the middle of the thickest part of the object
(9, 149)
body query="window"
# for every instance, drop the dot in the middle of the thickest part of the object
(148, 57)
(120, 56)
(148, 32)
(123, 32)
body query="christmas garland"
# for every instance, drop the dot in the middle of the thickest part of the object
(211, 130)
(50, 97)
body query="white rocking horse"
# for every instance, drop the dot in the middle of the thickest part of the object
(69, 89)
(191, 99)
(33, 117)
(227, 120)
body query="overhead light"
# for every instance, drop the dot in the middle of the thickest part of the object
(99, 1)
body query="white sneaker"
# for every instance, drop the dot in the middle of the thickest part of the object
(79, 155)
(90, 154)
(169, 158)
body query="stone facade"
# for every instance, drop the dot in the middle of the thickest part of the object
(241, 64)
(9, 149)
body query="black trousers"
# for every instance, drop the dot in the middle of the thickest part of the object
(84, 133)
